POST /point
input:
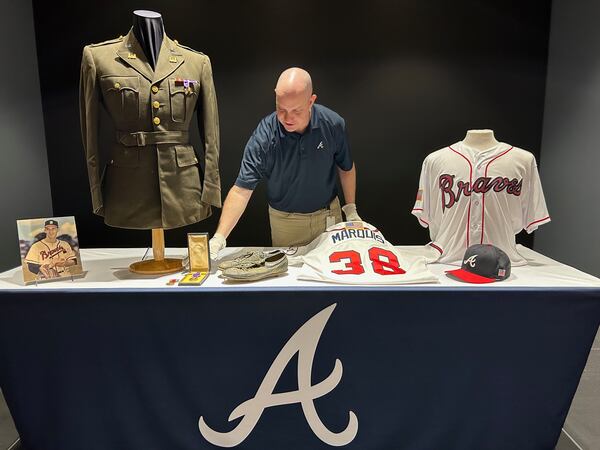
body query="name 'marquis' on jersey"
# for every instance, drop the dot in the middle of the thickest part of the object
(357, 253)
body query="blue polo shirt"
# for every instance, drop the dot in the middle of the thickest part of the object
(300, 169)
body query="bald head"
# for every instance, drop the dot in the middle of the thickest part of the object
(294, 99)
(294, 81)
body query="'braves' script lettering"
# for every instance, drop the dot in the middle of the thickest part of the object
(481, 185)
(304, 342)
(50, 254)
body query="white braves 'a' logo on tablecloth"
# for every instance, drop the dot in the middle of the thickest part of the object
(304, 341)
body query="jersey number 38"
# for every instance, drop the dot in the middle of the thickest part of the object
(384, 262)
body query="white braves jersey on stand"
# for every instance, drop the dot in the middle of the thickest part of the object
(357, 253)
(470, 197)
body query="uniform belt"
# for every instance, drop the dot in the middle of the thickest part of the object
(142, 138)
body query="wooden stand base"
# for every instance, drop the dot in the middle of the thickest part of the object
(154, 267)
(159, 265)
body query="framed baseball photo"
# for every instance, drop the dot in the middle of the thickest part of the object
(49, 249)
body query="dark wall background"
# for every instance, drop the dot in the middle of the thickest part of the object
(24, 180)
(409, 77)
(570, 143)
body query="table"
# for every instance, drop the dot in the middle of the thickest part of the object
(121, 361)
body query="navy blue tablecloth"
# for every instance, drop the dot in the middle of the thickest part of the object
(423, 368)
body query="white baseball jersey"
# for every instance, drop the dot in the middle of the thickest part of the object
(43, 252)
(471, 197)
(357, 253)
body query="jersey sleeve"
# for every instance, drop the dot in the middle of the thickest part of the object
(534, 208)
(254, 161)
(343, 157)
(33, 255)
(421, 209)
(69, 253)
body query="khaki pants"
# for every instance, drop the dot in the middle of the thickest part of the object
(297, 229)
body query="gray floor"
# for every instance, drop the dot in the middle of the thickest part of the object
(583, 421)
(581, 430)
(8, 434)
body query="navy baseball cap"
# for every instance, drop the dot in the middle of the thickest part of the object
(51, 222)
(483, 263)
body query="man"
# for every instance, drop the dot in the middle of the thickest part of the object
(298, 149)
(50, 257)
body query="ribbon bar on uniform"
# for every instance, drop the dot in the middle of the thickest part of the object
(143, 138)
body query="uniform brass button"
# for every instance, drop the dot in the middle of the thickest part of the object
(117, 85)
(156, 105)
(156, 121)
(155, 89)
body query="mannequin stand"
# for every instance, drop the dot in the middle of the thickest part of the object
(159, 265)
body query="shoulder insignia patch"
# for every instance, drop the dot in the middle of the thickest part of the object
(186, 47)
(110, 41)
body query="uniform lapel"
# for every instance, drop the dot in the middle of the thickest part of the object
(169, 59)
(133, 55)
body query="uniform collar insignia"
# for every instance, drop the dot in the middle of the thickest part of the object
(168, 59)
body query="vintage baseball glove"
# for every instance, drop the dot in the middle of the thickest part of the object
(47, 272)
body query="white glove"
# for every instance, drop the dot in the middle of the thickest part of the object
(216, 244)
(350, 212)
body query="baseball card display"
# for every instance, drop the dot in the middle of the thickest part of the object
(357, 253)
(468, 197)
(49, 249)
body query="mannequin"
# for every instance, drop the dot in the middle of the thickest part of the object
(480, 140)
(149, 30)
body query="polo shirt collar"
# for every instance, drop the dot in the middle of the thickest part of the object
(313, 124)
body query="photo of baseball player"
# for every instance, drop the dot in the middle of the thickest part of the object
(49, 249)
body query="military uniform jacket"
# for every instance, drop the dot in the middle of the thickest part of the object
(149, 177)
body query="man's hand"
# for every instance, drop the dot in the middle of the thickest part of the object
(350, 212)
(216, 244)
(235, 204)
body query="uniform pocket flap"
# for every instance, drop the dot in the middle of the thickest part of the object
(175, 88)
(117, 83)
(186, 156)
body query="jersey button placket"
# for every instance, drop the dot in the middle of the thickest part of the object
(475, 218)
(477, 211)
